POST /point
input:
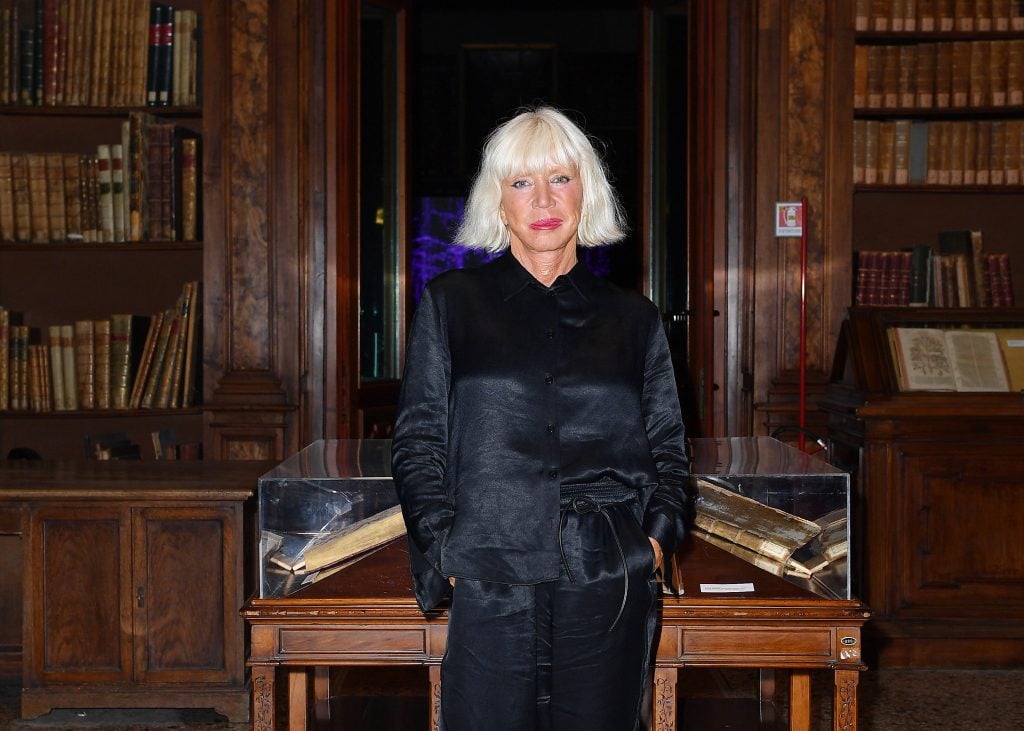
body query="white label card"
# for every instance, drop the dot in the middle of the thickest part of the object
(726, 588)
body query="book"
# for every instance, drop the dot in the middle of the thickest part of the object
(933, 359)
(22, 197)
(5, 352)
(56, 367)
(38, 197)
(120, 359)
(117, 192)
(7, 230)
(355, 539)
(1011, 344)
(765, 530)
(106, 197)
(189, 395)
(67, 351)
(55, 212)
(157, 364)
(101, 360)
(968, 245)
(146, 358)
(72, 197)
(187, 162)
(85, 364)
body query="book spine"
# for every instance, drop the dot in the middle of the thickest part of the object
(27, 65)
(120, 359)
(153, 53)
(5, 56)
(85, 364)
(165, 70)
(117, 191)
(56, 367)
(101, 358)
(72, 199)
(56, 213)
(7, 229)
(67, 351)
(192, 346)
(5, 353)
(38, 198)
(189, 157)
(106, 198)
(141, 376)
(22, 197)
(63, 17)
(157, 362)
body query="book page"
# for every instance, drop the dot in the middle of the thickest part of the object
(923, 359)
(977, 361)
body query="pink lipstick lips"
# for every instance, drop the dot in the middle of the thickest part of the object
(546, 224)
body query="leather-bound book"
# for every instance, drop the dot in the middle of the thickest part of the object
(85, 364)
(159, 171)
(106, 198)
(56, 367)
(22, 197)
(141, 370)
(55, 196)
(63, 31)
(944, 75)
(27, 65)
(5, 354)
(117, 190)
(72, 196)
(87, 44)
(51, 34)
(190, 380)
(1015, 72)
(138, 52)
(970, 152)
(6, 198)
(67, 352)
(137, 183)
(124, 329)
(156, 365)
(998, 67)
(38, 199)
(924, 75)
(153, 52)
(101, 360)
(165, 60)
(118, 55)
(190, 201)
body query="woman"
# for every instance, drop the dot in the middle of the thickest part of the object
(539, 451)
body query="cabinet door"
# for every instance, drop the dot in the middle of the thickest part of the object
(961, 517)
(78, 619)
(10, 592)
(187, 594)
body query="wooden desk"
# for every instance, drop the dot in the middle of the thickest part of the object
(365, 615)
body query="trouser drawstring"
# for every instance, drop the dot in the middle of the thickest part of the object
(582, 505)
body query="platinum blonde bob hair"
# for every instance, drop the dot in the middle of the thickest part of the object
(529, 143)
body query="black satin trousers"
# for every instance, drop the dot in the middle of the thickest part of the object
(566, 655)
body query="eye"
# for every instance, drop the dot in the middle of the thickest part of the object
(561, 179)
(519, 184)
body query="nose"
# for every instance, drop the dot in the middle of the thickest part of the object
(542, 195)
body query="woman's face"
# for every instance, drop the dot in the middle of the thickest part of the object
(542, 210)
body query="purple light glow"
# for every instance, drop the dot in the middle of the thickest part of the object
(433, 253)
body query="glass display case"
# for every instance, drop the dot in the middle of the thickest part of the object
(760, 499)
(776, 507)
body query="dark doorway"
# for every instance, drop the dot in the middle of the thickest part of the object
(472, 67)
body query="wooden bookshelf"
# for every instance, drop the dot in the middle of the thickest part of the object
(59, 281)
(898, 78)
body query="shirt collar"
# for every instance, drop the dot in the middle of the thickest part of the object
(513, 278)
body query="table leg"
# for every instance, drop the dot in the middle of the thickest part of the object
(800, 700)
(263, 698)
(298, 699)
(435, 697)
(844, 703)
(664, 716)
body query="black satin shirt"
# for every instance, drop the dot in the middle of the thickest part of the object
(513, 389)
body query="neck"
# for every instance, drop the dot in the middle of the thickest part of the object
(545, 266)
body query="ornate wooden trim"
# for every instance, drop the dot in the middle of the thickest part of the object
(665, 699)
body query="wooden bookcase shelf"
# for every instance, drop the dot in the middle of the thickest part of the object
(60, 282)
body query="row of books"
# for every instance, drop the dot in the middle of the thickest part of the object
(958, 274)
(961, 74)
(101, 53)
(912, 152)
(149, 194)
(122, 362)
(961, 359)
(938, 15)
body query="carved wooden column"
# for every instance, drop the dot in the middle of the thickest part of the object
(254, 257)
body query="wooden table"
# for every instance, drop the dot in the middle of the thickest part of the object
(366, 615)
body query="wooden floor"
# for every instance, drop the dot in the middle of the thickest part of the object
(711, 700)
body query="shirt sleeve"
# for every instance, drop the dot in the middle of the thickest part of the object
(420, 447)
(669, 509)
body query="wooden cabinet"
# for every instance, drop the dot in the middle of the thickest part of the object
(134, 574)
(939, 499)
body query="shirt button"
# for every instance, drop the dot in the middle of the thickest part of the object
(549, 379)
(550, 333)
(552, 474)
(551, 428)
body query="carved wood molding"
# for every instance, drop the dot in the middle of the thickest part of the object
(665, 699)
